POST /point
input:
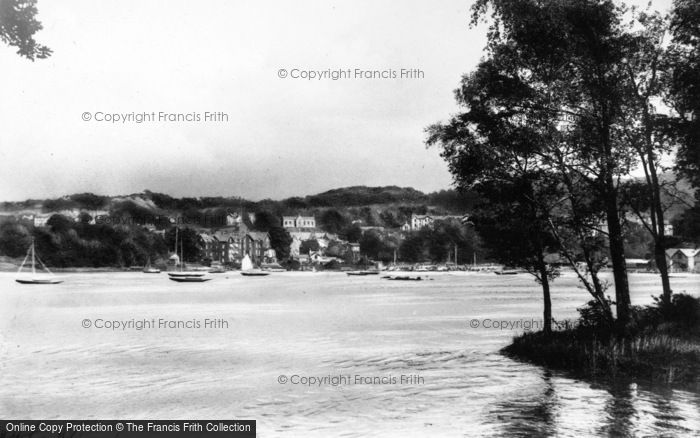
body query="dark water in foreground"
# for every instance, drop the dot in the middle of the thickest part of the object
(306, 325)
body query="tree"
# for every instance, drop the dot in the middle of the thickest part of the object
(353, 233)
(265, 221)
(646, 126)
(517, 233)
(565, 61)
(280, 240)
(84, 218)
(687, 226)
(336, 249)
(18, 24)
(308, 246)
(187, 243)
(546, 110)
(90, 200)
(332, 221)
(411, 249)
(377, 247)
(389, 219)
(59, 223)
(14, 239)
(684, 95)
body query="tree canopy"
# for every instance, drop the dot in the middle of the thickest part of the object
(18, 24)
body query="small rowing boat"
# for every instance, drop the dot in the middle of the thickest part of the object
(367, 272)
(180, 279)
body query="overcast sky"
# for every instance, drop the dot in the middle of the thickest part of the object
(283, 137)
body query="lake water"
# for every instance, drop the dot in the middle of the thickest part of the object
(360, 333)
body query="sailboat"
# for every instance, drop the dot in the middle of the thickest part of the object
(248, 270)
(182, 276)
(34, 279)
(148, 269)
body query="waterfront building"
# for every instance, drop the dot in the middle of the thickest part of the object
(683, 259)
(230, 244)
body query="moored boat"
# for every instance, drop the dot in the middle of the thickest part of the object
(255, 273)
(506, 272)
(365, 272)
(190, 279)
(249, 270)
(148, 269)
(35, 278)
(183, 276)
(404, 277)
(187, 274)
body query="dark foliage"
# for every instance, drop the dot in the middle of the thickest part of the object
(18, 24)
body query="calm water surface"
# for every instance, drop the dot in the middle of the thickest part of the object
(316, 325)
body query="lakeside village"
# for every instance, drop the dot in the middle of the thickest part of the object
(232, 241)
(224, 243)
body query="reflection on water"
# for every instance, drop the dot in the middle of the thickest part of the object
(316, 325)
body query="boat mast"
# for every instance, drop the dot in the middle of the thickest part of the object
(33, 263)
(175, 249)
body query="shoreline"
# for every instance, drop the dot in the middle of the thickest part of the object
(661, 346)
(612, 362)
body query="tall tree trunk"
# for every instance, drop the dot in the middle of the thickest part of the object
(662, 265)
(617, 255)
(544, 281)
(657, 214)
(612, 212)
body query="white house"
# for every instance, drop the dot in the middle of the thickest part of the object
(419, 221)
(298, 221)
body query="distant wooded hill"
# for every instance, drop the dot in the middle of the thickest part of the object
(386, 206)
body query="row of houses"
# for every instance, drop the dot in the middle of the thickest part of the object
(677, 259)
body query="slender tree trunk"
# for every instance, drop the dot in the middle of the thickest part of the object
(657, 212)
(544, 280)
(612, 211)
(617, 256)
(596, 289)
(662, 265)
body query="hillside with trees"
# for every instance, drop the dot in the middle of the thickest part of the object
(94, 230)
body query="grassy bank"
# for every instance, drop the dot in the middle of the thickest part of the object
(662, 346)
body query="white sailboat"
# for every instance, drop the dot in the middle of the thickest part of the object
(148, 269)
(248, 269)
(182, 276)
(35, 278)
